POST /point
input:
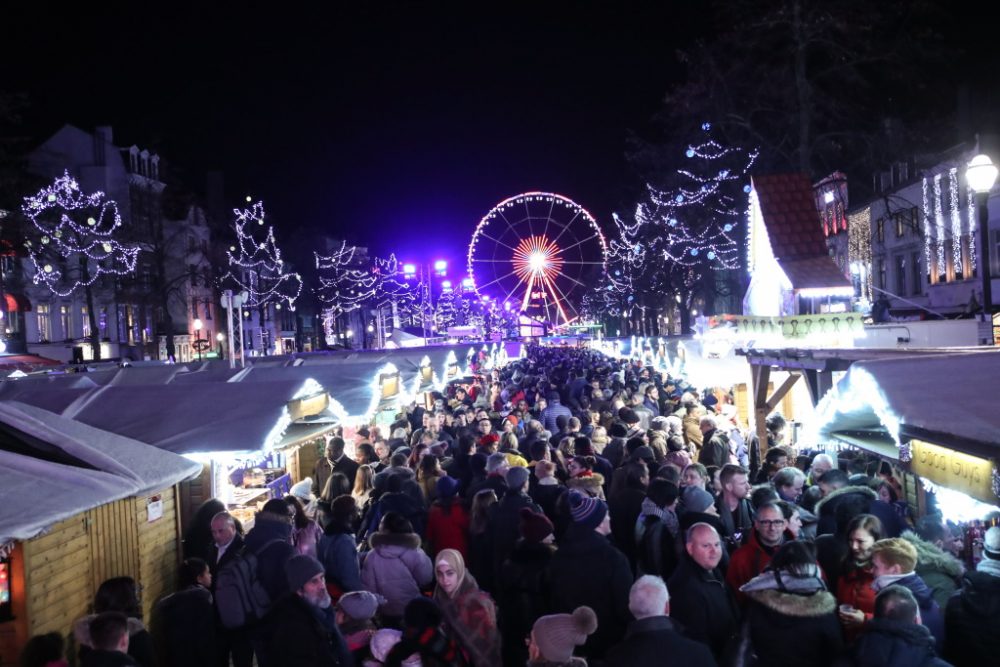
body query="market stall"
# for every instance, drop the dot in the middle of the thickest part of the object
(933, 417)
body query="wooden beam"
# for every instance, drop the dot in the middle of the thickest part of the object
(782, 390)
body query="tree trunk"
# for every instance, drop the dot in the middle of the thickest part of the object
(95, 331)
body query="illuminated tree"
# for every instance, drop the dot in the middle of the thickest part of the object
(74, 241)
(346, 284)
(255, 264)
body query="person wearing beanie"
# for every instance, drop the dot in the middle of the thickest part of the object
(470, 616)
(587, 570)
(554, 637)
(893, 562)
(448, 520)
(972, 617)
(523, 583)
(652, 638)
(354, 614)
(304, 628)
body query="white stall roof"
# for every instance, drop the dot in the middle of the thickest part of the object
(948, 394)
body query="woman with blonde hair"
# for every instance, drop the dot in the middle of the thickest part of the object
(470, 615)
(599, 438)
(364, 482)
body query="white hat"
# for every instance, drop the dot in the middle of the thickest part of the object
(303, 490)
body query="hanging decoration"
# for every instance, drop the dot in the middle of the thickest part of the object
(255, 264)
(956, 220)
(939, 227)
(970, 197)
(75, 237)
(928, 235)
(345, 284)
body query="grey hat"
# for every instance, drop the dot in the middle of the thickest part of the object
(494, 461)
(360, 605)
(517, 477)
(696, 499)
(300, 569)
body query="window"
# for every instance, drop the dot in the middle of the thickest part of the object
(85, 319)
(208, 309)
(881, 273)
(193, 275)
(900, 228)
(915, 273)
(66, 322)
(900, 270)
(42, 312)
(880, 230)
(194, 309)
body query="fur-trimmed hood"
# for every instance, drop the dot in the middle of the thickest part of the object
(844, 491)
(402, 540)
(932, 557)
(789, 604)
(81, 629)
(591, 484)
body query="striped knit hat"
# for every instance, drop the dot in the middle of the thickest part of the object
(587, 511)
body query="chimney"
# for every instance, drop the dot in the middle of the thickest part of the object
(102, 140)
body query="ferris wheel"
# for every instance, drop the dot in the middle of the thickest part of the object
(537, 253)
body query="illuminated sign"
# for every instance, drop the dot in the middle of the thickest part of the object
(969, 474)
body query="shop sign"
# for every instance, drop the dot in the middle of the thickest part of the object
(305, 407)
(961, 472)
(154, 508)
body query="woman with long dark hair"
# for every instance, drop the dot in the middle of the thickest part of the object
(305, 531)
(855, 594)
(119, 594)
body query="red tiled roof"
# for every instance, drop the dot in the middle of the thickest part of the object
(788, 206)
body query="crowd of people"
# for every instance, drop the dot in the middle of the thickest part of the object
(571, 509)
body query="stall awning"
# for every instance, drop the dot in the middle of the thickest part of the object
(876, 443)
(17, 302)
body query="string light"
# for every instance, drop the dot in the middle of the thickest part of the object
(859, 247)
(928, 237)
(256, 266)
(61, 240)
(939, 225)
(345, 284)
(970, 197)
(956, 220)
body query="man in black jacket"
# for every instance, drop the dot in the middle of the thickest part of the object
(895, 637)
(702, 603)
(334, 461)
(651, 638)
(305, 628)
(972, 618)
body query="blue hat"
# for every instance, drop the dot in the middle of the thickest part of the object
(447, 487)
(587, 511)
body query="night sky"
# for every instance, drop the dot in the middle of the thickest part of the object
(395, 125)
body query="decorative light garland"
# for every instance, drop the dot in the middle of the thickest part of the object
(928, 238)
(859, 247)
(59, 240)
(939, 226)
(971, 199)
(256, 267)
(956, 220)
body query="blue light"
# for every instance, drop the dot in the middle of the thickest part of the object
(679, 198)
(694, 252)
(711, 255)
(728, 227)
(746, 189)
(673, 222)
(690, 152)
(706, 126)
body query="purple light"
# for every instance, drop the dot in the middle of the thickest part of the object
(485, 298)
(409, 269)
(441, 265)
(506, 305)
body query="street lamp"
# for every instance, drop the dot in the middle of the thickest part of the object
(220, 337)
(981, 175)
(198, 324)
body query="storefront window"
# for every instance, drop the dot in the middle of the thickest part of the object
(43, 313)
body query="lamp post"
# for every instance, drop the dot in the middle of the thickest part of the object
(220, 337)
(197, 333)
(981, 175)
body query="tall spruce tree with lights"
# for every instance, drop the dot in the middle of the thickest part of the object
(73, 241)
(681, 241)
(346, 283)
(256, 266)
(393, 290)
(446, 310)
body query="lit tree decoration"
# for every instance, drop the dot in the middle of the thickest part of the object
(392, 289)
(680, 237)
(255, 264)
(346, 284)
(446, 311)
(73, 242)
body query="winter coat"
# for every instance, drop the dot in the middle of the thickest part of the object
(888, 643)
(338, 551)
(738, 523)
(788, 630)
(183, 627)
(306, 539)
(714, 450)
(271, 540)
(504, 520)
(306, 635)
(691, 424)
(930, 612)
(397, 569)
(107, 659)
(448, 528)
(625, 507)
(864, 501)
(656, 549)
(655, 641)
(549, 415)
(614, 451)
(140, 644)
(972, 619)
(591, 485)
(324, 469)
(523, 596)
(854, 587)
(401, 503)
(545, 496)
(587, 570)
(471, 619)
(941, 571)
(703, 605)
(746, 563)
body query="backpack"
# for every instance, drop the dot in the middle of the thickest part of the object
(239, 596)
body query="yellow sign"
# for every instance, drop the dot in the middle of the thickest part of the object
(305, 407)
(969, 474)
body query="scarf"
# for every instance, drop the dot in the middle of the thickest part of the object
(806, 582)
(665, 514)
(887, 580)
(989, 566)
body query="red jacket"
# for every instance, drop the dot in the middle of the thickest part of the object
(448, 531)
(855, 588)
(746, 563)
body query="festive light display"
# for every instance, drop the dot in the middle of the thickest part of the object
(537, 250)
(970, 196)
(859, 249)
(928, 235)
(956, 220)
(73, 229)
(938, 225)
(255, 265)
(677, 237)
(345, 284)
(391, 288)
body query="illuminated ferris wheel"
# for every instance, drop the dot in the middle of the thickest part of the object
(537, 253)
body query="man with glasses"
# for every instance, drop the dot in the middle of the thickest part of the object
(750, 560)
